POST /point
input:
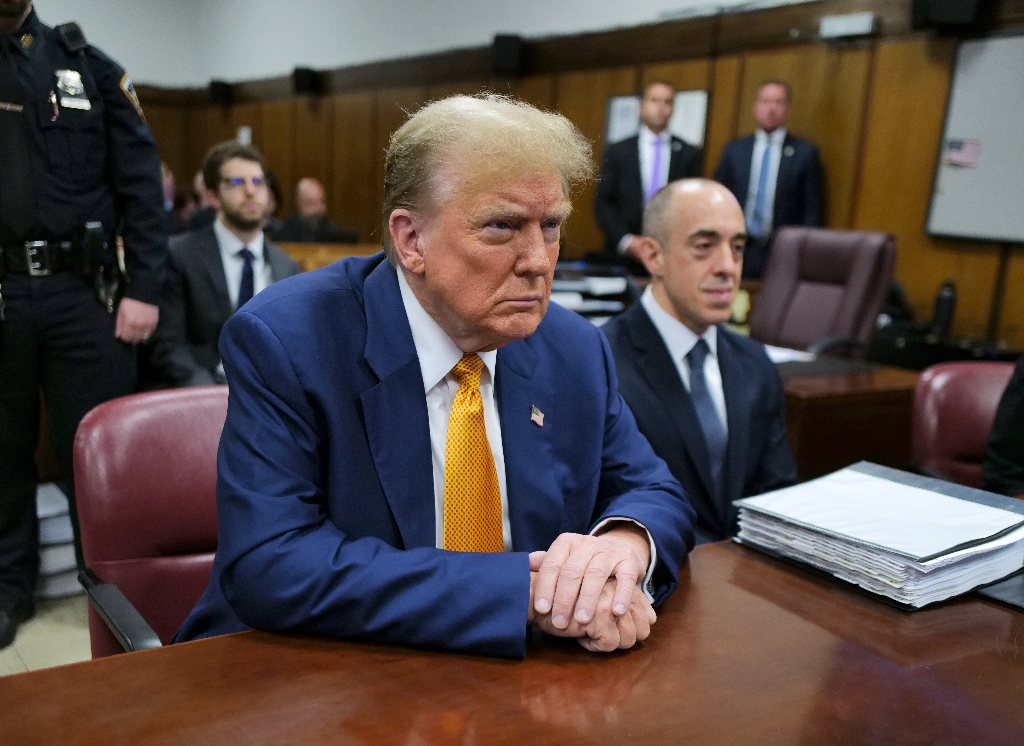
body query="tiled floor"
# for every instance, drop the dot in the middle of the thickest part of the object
(57, 634)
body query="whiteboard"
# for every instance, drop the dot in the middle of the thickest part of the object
(978, 191)
(689, 116)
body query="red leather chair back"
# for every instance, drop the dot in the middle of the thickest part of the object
(954, 407)
(145, 483)
(821, 283)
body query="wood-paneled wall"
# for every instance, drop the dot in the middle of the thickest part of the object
(876, 110)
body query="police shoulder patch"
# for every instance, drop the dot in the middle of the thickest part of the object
(129, 91)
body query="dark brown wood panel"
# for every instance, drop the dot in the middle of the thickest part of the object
(168, 126)
(829, 95)
(393, 108)
(466, 88)
(904, 127)
(314, 142)
(279, 148)
(205, 127)
(747, 651)
(353, 188)
(538, 90)
(723, 113)
(1011, 330)
(583, 98)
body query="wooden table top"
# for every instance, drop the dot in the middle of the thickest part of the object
(884, 380)
(747, 651)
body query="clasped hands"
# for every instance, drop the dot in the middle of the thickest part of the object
(586, 587)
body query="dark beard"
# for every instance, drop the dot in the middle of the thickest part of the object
(240, 222)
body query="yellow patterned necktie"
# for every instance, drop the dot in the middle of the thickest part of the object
(472, 498)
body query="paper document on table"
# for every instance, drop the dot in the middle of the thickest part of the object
(785, 355)
(909, 521)
(887, 533)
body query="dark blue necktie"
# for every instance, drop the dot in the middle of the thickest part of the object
(247, 287)
(714, 431)
(759, 220)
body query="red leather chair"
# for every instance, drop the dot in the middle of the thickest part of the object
(145, 482)
(823, 288)
(954, 407)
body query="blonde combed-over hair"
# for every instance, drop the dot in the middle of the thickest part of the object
(494, 138)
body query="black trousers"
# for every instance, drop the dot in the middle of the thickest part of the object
(58, 336)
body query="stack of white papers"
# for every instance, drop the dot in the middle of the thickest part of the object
(906, 543)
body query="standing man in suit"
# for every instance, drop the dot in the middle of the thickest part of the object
(709, 400)
(776, 177)
(217, 269)
(310, 223)
(419, 449)
(637, 167)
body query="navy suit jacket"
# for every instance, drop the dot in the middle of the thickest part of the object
(758, 457)
(325, 492)
(619, 199)
(799, 190)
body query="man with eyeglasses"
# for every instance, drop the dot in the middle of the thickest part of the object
(215, 270)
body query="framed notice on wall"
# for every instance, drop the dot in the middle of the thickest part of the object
(689, 117)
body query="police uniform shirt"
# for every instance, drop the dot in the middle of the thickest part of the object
(93, 157)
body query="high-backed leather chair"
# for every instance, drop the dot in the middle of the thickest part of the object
(954, 407)
(823, 288)
(145, 483)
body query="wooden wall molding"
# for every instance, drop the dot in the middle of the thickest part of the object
(702, 37)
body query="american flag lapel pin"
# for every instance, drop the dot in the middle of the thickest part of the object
(536, 416)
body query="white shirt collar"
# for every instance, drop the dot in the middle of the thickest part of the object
(679, 338)
(775, 138)
(230, 244)
(647, 137)
(436, 351)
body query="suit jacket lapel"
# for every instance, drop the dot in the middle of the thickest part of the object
(534, 498)
(278, 266)
(785, 176)
(395, 411)
(663, 378)
(738, 409)
(745, 152)
(209, 252)
(633, 154)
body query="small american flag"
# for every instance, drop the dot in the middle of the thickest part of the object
(536, 416)
(963, 153)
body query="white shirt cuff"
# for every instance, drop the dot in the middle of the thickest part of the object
(624, 244)
(647, 584)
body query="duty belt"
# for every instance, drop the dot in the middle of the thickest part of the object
(40, 258)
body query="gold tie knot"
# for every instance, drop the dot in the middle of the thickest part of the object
(467, 371)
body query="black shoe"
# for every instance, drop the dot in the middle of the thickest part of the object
(9, 621)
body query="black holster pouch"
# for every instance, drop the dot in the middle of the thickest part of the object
(100, 262)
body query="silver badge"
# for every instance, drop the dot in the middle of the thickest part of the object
(70, 82)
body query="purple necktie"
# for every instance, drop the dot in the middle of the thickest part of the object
(655, 183)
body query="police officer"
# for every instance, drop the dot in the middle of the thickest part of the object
(78, 168)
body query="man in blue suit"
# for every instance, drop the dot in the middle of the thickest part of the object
(709, 400)
(418, 449)
(776, 176)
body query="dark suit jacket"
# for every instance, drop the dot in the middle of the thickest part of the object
(799, 191)
(619, 200)
(296, 229)
(1002, 467)
(758, 458)
(197, 303)
(325, 491)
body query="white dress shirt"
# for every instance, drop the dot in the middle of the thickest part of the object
(763, 140)
(680, 339)
(230, 245)
(437, 355)
(646, 140)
